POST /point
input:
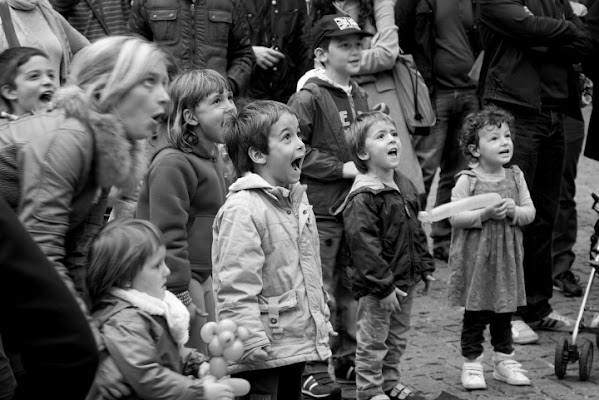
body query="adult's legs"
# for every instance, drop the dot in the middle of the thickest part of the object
(453, 161)
(566, 224)
(539, 152)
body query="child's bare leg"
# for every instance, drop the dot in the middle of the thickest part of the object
(196, 292)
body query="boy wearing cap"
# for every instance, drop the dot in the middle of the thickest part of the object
(326, 106)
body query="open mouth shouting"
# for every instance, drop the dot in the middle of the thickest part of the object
(46, 98)
(296, 164)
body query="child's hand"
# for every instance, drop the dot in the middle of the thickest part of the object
(496, 211)
(391, 302)
(427, 283)
(217, 391)
(511, 208)
(256, 356)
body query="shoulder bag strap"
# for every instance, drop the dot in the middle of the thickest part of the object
(7, 25)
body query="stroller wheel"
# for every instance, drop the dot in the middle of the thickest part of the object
(562, 356)
(586, 359)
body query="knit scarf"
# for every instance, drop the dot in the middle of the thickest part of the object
(171, 308)
(53, 21)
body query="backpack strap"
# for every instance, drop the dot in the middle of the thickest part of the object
(7, 25)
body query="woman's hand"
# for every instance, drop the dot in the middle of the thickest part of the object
(266, 57)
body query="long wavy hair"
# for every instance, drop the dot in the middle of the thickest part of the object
(320, 8)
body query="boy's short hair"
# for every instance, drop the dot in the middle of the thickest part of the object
(10, 62)
(355, 136)
(490, 115)
(334, 26)
(251, 128)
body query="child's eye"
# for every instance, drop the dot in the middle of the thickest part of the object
(33, 77)
(394, 134)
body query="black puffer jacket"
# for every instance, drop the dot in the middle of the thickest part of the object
(388, 245)
(209, 34)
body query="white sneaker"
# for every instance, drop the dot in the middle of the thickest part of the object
(472, 375)
(509, 370)
(380, 397)
(522, 333)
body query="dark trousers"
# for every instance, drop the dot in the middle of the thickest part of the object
(440, 148)
(283, 383)
(566, 224)
(473, 330)
(539, 152)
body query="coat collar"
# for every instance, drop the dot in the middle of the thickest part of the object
(118, 161)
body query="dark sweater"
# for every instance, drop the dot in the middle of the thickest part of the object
(181, 194)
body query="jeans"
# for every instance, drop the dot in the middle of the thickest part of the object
(334, 258)
(539, 152)
(473, 330)
(283, 383)
(566, 224)
(381, 342)
(441, 149)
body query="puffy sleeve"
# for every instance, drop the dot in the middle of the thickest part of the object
(237, 262)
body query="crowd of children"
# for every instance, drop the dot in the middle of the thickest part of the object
(316, 248)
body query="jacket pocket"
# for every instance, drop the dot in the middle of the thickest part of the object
(220, 25)
(286, 23)
(164, 25)
(276, 311)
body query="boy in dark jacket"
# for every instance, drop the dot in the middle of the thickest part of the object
(326, 106)
(389, 254)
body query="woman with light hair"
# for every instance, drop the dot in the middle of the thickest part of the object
(116, 94)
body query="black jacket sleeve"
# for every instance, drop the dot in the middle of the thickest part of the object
(41, 321)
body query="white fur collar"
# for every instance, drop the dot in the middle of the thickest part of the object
(171, 308)
(119, 162)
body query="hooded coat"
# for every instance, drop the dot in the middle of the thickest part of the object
(66, 174)
(267, 273)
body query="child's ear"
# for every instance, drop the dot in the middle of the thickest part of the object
(473, 150)
(363, 155)
(8, 92)
(189, 117)
(257, 156)
(320, 55)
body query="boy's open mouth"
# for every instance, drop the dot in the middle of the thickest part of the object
(297, 163)
(506, 151)
(392, 152)
(47, 96)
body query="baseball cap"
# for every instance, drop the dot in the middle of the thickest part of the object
(335, 26)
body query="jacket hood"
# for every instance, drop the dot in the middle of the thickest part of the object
(120, 162)
(322, 80)
(361, 182)
(251, 181)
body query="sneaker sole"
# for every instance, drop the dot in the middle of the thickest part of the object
(318, 396)
(345, 381)
(473, 387)
(525, 341)
(502, 378)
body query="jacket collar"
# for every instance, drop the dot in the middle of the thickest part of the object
(362, 182)
(118, 161)
(280, 194)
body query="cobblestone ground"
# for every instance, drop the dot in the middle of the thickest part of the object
(432, 363)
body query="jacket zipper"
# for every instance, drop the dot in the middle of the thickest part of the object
(411, 248)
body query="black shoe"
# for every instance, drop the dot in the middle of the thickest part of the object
(441, 253)
(320, 386)
(345, 371)
(567, 283)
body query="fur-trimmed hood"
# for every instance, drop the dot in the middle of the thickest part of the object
(119, 162)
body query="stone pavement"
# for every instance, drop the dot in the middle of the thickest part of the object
(432, 362)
